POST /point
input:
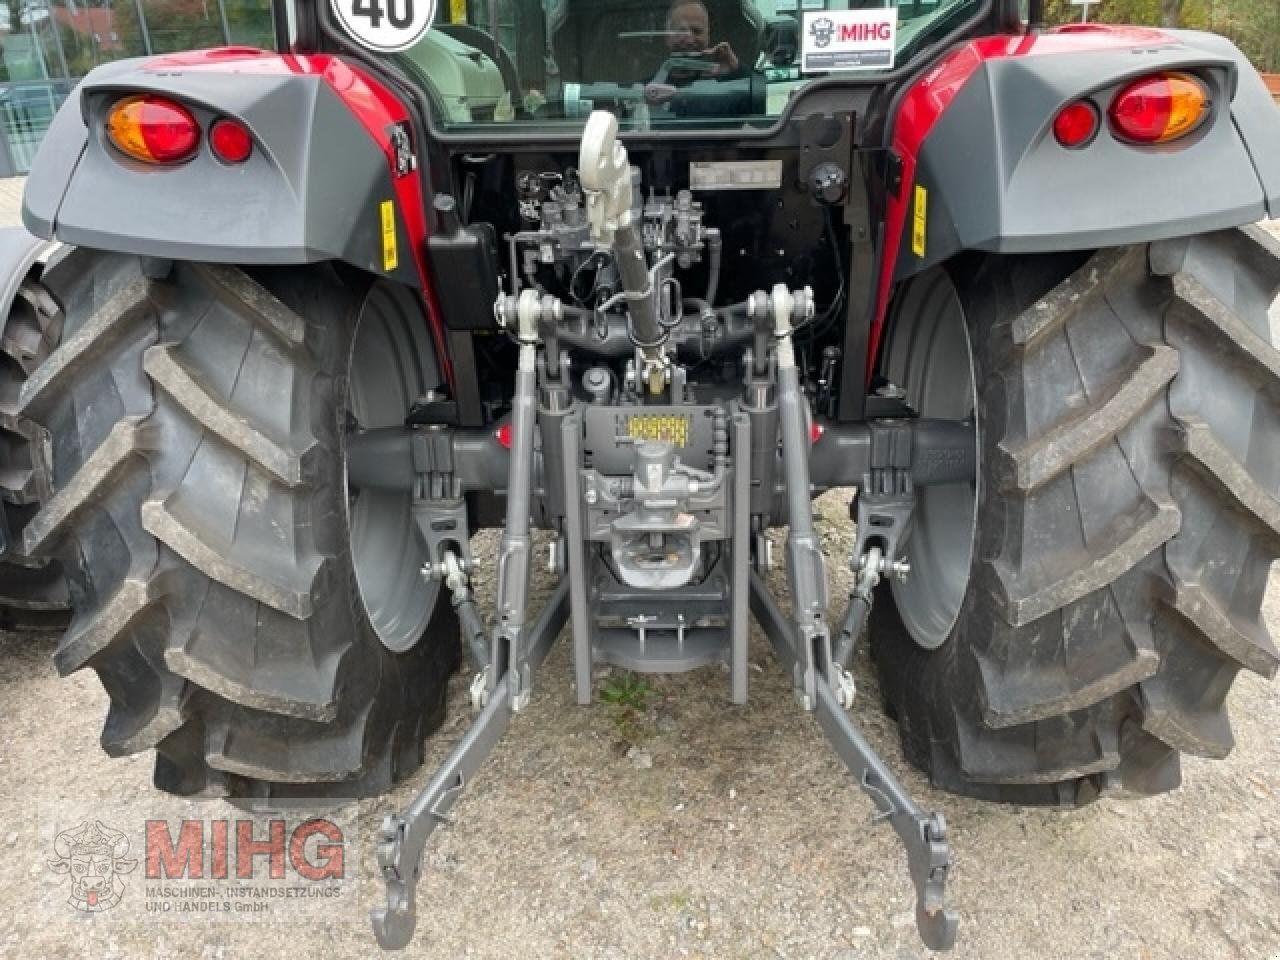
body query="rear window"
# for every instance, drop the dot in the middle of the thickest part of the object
(657, 63)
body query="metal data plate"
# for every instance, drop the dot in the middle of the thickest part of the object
(735, 175)
(664, 428)
(611, 433)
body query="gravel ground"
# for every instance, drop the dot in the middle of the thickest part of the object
(743, 838)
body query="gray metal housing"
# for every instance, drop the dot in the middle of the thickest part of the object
(997, 180)
(310, 191)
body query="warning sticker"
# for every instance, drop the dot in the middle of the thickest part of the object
(920, 222)
(386, 26)
(849, 40)
(389, 258)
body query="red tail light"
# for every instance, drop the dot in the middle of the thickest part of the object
(1076, 124)
(503, 435)
(230, 141)
(153, 129)
(1159, 108)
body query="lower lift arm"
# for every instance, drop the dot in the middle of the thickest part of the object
(803, 645)
(923, 834)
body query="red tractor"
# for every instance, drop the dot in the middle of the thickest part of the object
(649, 275)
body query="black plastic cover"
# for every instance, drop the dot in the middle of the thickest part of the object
(464, 268)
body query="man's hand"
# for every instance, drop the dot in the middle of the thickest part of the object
(726, 60)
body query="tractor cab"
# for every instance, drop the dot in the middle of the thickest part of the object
(653, 63)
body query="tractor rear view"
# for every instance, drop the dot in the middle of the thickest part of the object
(649, 276)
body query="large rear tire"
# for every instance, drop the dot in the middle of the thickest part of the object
(33, 591)
(201, 510)
(1128, 514)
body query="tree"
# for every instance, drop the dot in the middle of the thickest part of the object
(1252, 25)
(193, 24)
(1170, 13)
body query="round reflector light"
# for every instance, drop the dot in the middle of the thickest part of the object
(153, 129)
(1159, 108)
(230, 141)
(1076, 124)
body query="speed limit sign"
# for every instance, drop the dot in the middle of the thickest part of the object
(386, 26)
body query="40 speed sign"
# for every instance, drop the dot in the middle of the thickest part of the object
(386, 26)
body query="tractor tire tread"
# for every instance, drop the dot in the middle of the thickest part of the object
(1125, 545)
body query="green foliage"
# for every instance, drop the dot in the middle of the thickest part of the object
(70, 39)
(1253, 25)
(629, 697)
(626, 690)
(192, 24)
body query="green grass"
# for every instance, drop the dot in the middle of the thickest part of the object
(626, 690)
(675, 900)
(629, 697)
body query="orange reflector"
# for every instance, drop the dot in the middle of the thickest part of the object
(1159, 108)
(153, 129)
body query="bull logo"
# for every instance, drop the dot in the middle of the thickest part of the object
(93, 856)
(822, 30)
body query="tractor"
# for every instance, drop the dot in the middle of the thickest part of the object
(290, 326)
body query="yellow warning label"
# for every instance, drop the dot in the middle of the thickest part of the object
(389, 259)
(667, 429)
(457, 11)
(920, 221)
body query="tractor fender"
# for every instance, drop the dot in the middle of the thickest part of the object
(19, 253)
(988, 174)
(320, 184)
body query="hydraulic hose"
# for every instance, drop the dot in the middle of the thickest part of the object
(715, 246)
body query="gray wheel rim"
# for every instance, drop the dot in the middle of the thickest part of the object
(387, 372)
(932, 359)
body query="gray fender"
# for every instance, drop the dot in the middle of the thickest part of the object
(20, 252)
(310, 191)
(997, 180)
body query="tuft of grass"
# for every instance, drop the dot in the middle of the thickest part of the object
(677, 900)
(626, 690)
(628, 694)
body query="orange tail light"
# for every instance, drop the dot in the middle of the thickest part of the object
(153, 129)
(1159, 108)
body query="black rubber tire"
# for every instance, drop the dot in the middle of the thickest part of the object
(1128, 517)
(198, 425)
(33, 591)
